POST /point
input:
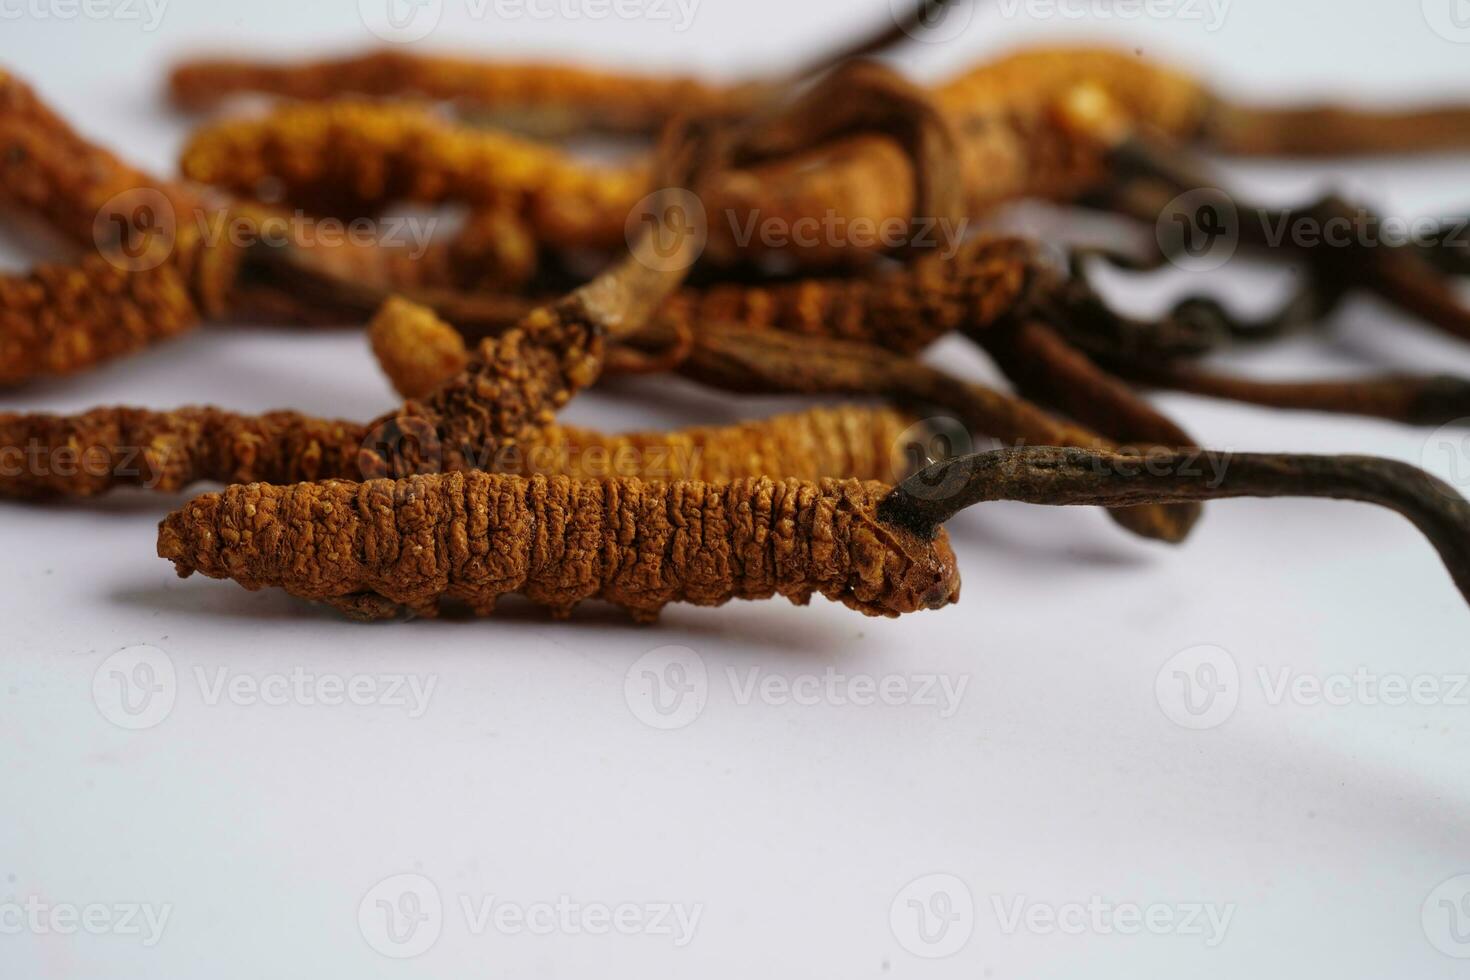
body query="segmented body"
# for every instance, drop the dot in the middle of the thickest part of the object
(1016, 134)
(373, 548)
(56, 456)
(546, 97)
(355, 157)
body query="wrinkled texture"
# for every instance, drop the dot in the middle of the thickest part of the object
(373, 549)
(45, 456)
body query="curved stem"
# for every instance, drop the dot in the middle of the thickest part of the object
(1060, 476)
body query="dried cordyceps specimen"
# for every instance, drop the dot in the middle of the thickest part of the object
(374, 548)
(44, 457)
(1027, 126)
(46, 168)
(355, 157)
(166, 256)
(761, 361)
(544, 99)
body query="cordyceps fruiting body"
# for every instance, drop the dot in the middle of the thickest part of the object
(376, 548)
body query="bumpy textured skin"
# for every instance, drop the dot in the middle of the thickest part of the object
(585, 97)
(375, 548)
(1015, 119)
(510, 390)
(903, 310)
(44, 456)
(46, 168)
(65, 318)
(355, 157)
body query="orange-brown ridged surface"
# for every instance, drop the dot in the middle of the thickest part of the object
(582, 97)
(45, 456)
(1015, 135)
(65, 318)
(903, 310)
(371, 549)
(356, 157)
(46, 168)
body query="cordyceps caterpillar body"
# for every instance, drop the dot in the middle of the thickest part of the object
(375, 548)
(44, 457)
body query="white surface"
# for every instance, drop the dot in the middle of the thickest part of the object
(794, 828)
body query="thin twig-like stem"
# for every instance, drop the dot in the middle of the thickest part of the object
(1063, 476)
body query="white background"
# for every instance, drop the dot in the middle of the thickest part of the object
(1323, 829)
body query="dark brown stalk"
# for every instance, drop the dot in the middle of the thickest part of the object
(768, 362)
(1060, 476)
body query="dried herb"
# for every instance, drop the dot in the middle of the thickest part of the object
(372, 549)
(58, 456)
(375, 549)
